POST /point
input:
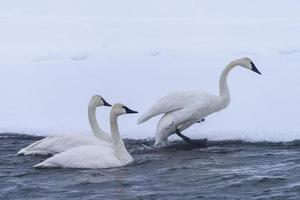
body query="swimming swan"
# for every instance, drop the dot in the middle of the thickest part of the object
(183, 109)
(95, 156)
(60, 143)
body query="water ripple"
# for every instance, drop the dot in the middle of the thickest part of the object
(223, 170)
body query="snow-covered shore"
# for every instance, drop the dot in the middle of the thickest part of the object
(55, 55)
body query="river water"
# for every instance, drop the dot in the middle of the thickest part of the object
(223, 170)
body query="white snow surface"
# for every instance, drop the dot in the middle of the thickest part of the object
(56, 54)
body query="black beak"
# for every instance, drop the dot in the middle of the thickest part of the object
(129, 110)
(254, 68)
(105, 103)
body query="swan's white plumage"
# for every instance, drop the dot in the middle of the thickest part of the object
(91, 156)
(169, 103)
(183, 109)
(60, 143)
(95, 156)
(56, 144)
(201, 105)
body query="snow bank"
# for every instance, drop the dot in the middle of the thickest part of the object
(56, 54)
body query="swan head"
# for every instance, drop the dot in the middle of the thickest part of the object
(121, 109)
(97, 101)
(248, 64)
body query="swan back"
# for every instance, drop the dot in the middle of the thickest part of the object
(90, 156)
(173, 102)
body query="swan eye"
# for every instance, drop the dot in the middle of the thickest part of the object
(125, 108)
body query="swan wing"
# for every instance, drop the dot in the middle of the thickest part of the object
(173, 102)
(34, 148)
(56, 144)
(196, 111)
(91, 156)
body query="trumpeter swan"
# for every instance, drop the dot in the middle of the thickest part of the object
(60, 143)
(183, 109)
(95, 156)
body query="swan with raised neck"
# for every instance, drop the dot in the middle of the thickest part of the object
(121, 151)
(183, 109)
(95, 156)
(223, 86)
(95, 102)
(59, 143)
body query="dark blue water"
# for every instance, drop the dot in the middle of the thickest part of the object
(223, 170)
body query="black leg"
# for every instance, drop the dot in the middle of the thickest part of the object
(190, 141)
(185, 138)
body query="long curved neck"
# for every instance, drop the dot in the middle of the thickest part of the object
(119, 147)
(116, 138)
(224, 90)
(98, 132)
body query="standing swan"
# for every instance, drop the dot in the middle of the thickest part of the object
(183, 109)
(60, 143)
(95, 156)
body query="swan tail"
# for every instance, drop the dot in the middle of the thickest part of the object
(149, 114)
(154, 112)
(33, 150)
(164, 105)
(44, 164)
(39, 166)
(144, 118)
(50, 162)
